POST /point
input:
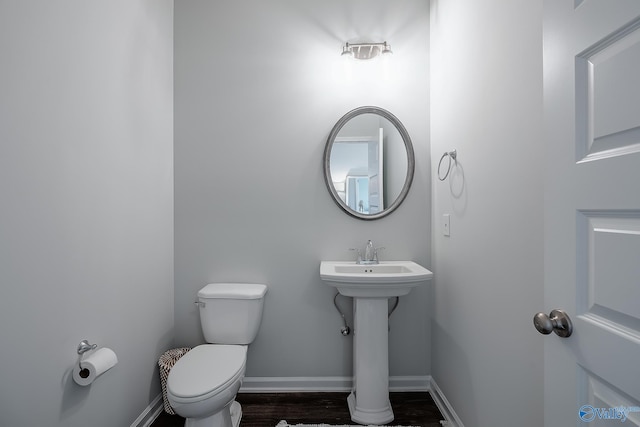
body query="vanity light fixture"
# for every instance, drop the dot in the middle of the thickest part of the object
(366, 50)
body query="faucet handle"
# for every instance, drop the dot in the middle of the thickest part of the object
(375, 253)
(359, 259)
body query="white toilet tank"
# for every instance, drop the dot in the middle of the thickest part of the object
(231, 313)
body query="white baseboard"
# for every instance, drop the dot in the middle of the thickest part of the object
(294, 384)
(452, 419)
(410, 383)
(323, 384)
(311, 384)
(150, 413)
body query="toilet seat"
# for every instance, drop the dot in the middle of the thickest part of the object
(206, 370)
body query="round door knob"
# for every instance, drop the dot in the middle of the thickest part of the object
(557, 321)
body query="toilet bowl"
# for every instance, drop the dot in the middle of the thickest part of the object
(202, 385)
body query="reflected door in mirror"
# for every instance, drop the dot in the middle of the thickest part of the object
(369, 163)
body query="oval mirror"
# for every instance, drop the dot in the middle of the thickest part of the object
(368, 163)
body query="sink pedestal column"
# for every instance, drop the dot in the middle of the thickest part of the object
(369, 400)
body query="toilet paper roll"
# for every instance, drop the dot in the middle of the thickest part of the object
(94, 365)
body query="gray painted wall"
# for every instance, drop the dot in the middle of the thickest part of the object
(86, 224)
(86, 185)
(258, 87)
(487, 102)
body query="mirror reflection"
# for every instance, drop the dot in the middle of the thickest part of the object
(368, 162)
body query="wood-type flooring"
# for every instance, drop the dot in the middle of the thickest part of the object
(267, 409)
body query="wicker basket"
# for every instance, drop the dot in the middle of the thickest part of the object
(166, 362)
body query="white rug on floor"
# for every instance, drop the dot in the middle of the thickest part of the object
(285, 424)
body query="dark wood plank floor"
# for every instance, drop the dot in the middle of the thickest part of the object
(266, 410)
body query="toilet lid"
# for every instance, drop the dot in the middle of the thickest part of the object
(205, 369)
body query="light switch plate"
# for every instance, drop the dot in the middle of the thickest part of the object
(446, 224)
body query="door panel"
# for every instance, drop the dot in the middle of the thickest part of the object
(608, 94)
(612, 251)
(592, 210)
(599, 395)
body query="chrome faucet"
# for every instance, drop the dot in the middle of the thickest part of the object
(370, 254)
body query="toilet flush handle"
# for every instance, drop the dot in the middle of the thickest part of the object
(199, 304)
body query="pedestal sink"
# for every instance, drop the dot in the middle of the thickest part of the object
(371, 286)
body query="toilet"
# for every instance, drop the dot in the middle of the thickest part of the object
(203, 384)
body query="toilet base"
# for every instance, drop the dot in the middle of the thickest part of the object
(228, 417)
(236, 413)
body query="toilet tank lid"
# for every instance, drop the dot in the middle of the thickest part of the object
(233, 291)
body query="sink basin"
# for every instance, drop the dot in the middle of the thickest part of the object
(387, 279)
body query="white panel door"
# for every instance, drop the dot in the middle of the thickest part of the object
(592, 210)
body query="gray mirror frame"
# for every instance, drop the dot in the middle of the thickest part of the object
(410, 161)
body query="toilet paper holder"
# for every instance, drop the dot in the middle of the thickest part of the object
(83, 347)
